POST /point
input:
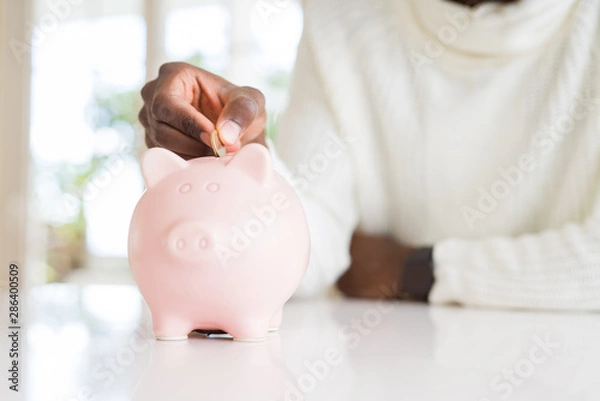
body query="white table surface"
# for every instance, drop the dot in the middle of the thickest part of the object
(94, 342)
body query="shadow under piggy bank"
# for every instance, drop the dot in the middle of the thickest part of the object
(215, 369)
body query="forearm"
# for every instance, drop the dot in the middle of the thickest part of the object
(557, 269)
(331, 214)
(311, 154)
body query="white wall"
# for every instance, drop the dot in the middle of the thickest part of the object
(14, 132)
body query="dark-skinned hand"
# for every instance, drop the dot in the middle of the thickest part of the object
(376, 269)
(186, 103)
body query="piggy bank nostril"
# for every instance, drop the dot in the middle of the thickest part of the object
(185, 188)
(180, 244)
(203, 243)
(212, 187)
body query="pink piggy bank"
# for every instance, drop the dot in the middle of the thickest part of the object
(217, 243)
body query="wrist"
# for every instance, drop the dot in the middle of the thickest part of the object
(417, 275)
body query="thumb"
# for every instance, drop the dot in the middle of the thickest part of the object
(243, 117)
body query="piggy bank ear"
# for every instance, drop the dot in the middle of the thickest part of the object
(255, 161)
(157, 163)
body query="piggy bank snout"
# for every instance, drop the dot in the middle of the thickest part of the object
(189, 240)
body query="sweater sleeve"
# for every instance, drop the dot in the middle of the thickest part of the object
(555, 269)
(311, 154)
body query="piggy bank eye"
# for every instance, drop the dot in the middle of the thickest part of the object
(184, 188)
(212, 187)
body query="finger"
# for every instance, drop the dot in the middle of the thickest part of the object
(170, 138)
(149, 142)
(173, 110)
(205, 137)
(143, 117)
(151, 145)
(148, 91)
(233, 148)
(243, 115)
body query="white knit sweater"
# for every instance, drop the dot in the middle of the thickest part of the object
(475, 131)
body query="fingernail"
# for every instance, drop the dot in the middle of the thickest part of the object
(229, 132)
(204, 137)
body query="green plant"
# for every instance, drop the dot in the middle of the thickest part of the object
(109, 109)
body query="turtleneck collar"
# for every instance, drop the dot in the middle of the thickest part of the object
(494, 29)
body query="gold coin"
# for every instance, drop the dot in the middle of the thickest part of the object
(215, 143)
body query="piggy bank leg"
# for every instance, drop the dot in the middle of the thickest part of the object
(249, 330)
(170, 328)
(275, 321)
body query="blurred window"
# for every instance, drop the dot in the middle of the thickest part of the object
(85, 139)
